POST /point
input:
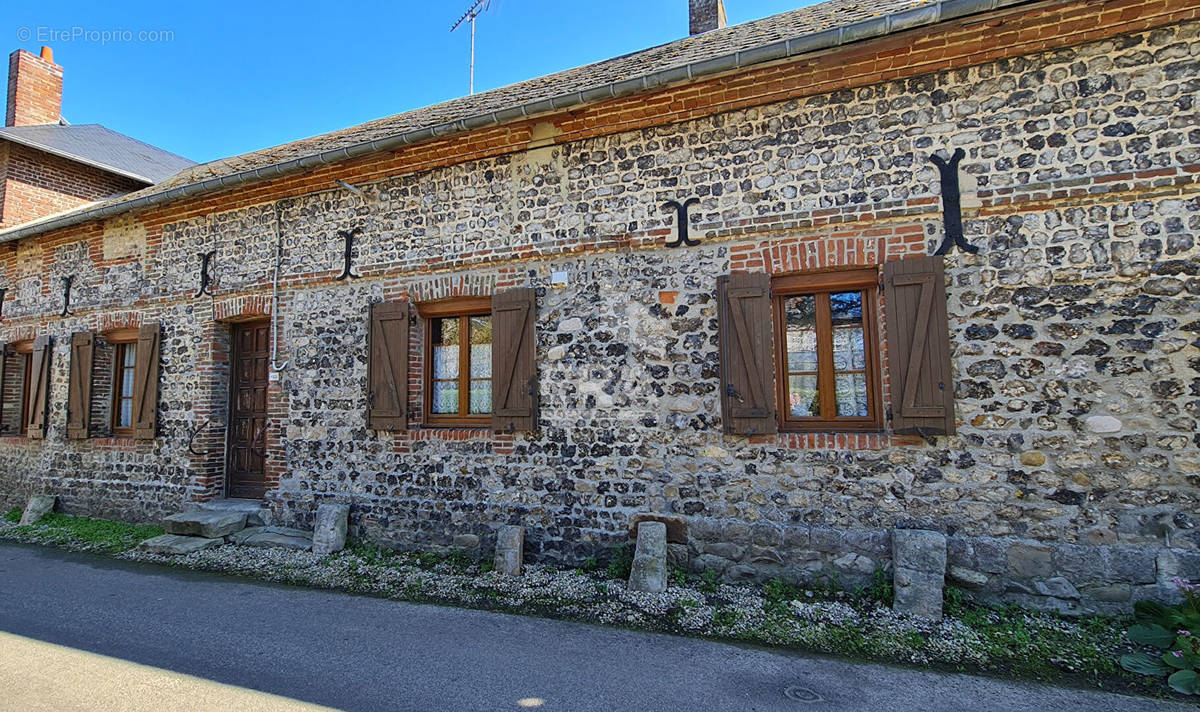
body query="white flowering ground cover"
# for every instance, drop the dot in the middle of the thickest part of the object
(860, 624)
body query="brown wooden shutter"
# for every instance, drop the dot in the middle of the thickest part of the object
(79, 384)
(39, 387)
(387, 367)
(145, 382)
(747, 354)
(514, 360)
(918, 334)
(6, 428)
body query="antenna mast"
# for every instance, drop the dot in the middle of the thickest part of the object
(469, 16)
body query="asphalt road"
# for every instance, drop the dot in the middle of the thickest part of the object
(359, 653)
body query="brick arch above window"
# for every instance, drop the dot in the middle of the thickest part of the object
(242, 308)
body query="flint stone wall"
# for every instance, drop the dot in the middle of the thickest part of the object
(1074, 332)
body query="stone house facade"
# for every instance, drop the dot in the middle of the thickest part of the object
(514, 340)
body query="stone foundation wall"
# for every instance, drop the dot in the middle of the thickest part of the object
(1073, 331)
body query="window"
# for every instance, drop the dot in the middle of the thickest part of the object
(827, 361)
(458, 357)
(124, 371)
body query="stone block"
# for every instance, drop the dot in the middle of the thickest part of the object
(919, 550)
(1115, 593)
(39, 505)
(466, 543)
(176, 544)
(1028, 561)
(726, 550)
(1130, 565)
(510, 549)
(710, 562)
(677, 527)
(649, 571)
(740, 573)
(267, 537)
(211, 525)
(677, 557)
(963, 577)
(918, 593)
(329, 532)
(1058, 587)
(1085, 563)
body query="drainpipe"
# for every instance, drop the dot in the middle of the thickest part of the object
(275, 365)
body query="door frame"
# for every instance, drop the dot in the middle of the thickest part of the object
(231, 404)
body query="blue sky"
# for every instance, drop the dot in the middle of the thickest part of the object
(235, 77)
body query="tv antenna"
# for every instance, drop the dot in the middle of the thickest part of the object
(469, 16)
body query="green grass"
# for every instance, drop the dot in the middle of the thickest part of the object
(13, 515)
(101, 535)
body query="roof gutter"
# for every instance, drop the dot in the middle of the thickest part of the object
(813, 42)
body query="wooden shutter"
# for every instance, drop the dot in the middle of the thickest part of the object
(39, 387)
(145, 382)
(387, 367)
(6, 428)
(514, 360)
(747, 355)
(918, 343)
(79, 384)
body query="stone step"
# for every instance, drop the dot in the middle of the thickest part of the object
(273, 536)
(211, 525)
(257, 514)
(177, 544)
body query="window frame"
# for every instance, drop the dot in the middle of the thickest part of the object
(865, 280)
(463, 309)
(119, 341)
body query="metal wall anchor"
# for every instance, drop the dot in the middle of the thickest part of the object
(348, 235)
(952, 204)
(681, 222)
(205, 278)
(67, 281)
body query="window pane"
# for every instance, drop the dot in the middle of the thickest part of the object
(130, 355)
(803, 397)
(481, 348)
(481, 396)
(801, 317)
(445, 397)
(851, 395)
(444, 335)
(125, 413)
(845, 310)
(127, 371)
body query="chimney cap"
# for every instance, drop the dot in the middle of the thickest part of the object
(47, 54)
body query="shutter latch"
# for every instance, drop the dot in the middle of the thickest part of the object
(731, 392)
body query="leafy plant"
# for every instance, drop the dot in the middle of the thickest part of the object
(880, 589)
(954, 601)
(620, 563)
(779, 593)
(590, 564)
(708, 581)
(1173, 630)
(13, 515)
(678, 577)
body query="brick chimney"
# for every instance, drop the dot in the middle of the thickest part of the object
(705, 15)
(34, 89)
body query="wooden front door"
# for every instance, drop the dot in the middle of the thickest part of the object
(248, 411)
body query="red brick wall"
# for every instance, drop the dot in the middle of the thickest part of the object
(34, 90)
(34, 184)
